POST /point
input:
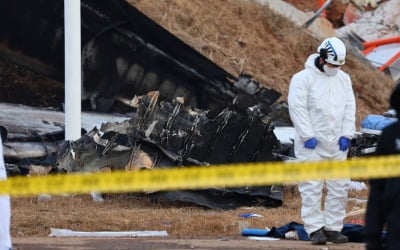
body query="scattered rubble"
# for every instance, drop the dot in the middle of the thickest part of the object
(382, 22)
(321, 28)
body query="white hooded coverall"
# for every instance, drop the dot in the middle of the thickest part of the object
(5, 210)
(322, 107)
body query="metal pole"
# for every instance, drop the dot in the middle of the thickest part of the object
(316, 15)
(72, 19)
(320, 4)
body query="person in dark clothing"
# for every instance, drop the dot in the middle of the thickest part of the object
(384, 198)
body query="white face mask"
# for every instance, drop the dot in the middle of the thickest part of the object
(331, 71)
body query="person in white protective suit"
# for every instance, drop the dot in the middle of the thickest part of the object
(322, 109)
(5, 209)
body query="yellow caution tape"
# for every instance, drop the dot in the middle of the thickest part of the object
(235, 175)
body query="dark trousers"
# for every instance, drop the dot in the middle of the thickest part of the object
(383, 209)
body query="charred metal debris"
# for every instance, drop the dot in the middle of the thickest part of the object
(164, 134)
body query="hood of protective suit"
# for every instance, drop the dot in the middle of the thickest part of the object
(323, 107)
(310, 64)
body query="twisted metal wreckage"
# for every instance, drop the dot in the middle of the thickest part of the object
(188, 110)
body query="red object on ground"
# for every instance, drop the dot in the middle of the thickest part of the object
(395, 39)
(369, 49)
(388, 63)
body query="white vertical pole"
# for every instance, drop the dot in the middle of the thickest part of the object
(72, 26)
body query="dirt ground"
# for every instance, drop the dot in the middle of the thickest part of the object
(45, 243)
(22, 86)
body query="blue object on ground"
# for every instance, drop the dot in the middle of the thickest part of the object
(377, 122)
(251, 215)
(254, 232)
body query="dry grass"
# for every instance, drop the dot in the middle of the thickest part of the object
(31, 217)
(242, 36)
(121, 212)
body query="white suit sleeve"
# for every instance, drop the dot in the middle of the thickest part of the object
(349, 119)
(298, 111)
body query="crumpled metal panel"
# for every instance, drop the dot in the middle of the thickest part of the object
(163, 134)
(194, 137)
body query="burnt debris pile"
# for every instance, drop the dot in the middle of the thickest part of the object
(165, 134)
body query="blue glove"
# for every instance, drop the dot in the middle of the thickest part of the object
(311, 143)
(344, 143)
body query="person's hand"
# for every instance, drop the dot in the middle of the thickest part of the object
(310, 143)
(344, 143)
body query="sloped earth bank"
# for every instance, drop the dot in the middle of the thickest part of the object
(241, 36)
(162, 243)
